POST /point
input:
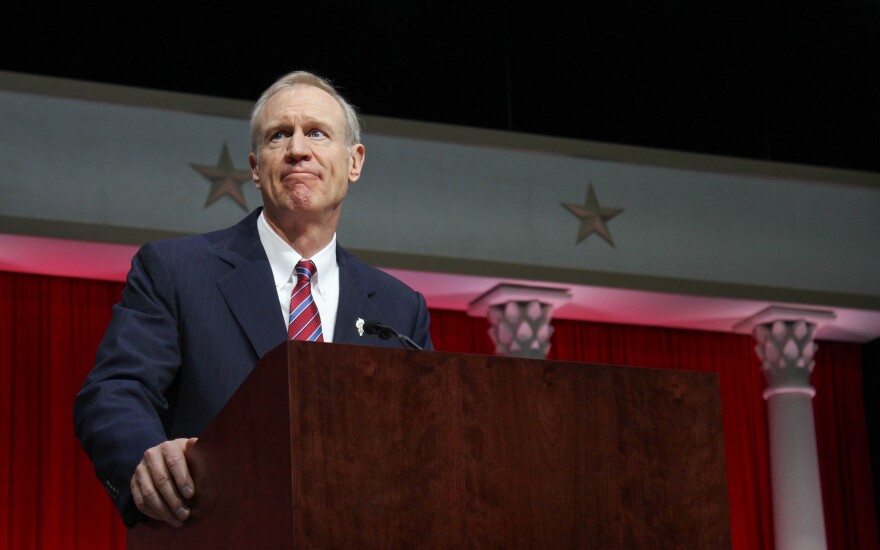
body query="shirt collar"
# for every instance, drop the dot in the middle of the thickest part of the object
(283, 257)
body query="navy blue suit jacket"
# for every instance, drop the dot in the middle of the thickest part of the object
(196, 316)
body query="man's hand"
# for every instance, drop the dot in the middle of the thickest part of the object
(161, 483)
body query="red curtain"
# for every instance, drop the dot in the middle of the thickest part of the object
(49, 496)
(50, 328)
(844, 456)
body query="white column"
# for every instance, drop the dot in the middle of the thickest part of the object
(520, 318)
(785, 345)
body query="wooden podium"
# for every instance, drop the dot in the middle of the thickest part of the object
(339, 446)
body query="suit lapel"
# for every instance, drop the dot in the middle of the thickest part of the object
(355, 299)
(249, 288)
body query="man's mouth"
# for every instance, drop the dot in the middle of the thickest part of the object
(295, 176)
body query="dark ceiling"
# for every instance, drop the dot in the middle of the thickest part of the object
(793, 81)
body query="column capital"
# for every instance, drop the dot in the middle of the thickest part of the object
(770, 314)
(519, 316)
(503, 293)
(785, 345)
(786, 349)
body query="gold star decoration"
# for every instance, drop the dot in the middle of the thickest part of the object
(593, 217)
(225, 180)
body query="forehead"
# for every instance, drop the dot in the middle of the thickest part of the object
(303, 102)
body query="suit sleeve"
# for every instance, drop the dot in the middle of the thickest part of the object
(421, 331)
(119, 411)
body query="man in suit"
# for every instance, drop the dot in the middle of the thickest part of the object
(198, 313)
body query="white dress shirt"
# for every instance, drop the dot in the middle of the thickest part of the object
(325, 284)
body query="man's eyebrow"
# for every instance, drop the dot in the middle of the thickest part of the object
(319, 121)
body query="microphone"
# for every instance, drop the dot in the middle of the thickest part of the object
(385, 332)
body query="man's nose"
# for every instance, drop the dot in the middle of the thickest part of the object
(297, 145)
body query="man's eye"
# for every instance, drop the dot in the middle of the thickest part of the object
(317, 133)
(278, 135)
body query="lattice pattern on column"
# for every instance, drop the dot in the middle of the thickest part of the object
(786, 349)
(519, 316)
(521, 329)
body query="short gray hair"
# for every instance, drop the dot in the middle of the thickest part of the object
(352, 122)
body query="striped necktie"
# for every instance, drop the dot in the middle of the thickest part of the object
(304, 322)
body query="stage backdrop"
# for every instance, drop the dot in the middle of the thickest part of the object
(130, 165)
(50, 328)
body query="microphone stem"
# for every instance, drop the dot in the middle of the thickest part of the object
(407, 342)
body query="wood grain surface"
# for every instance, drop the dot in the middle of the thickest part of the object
(357, 447)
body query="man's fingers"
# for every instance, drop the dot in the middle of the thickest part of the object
(148, 499)
(157, 462)
(173, 452)
(162, 481)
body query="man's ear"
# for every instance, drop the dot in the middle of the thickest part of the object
(356, 163)
(255, 169)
